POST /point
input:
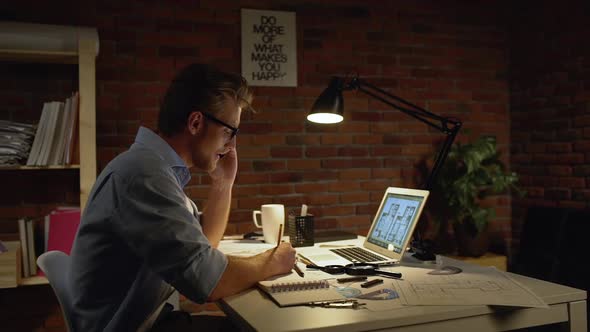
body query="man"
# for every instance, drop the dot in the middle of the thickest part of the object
(140, 233)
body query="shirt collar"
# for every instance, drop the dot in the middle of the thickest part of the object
(148, 139)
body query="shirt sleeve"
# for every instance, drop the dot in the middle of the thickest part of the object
(154, 220)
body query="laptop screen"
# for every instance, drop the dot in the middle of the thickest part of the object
(396, 218)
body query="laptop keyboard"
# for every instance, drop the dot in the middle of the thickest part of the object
(356, 254)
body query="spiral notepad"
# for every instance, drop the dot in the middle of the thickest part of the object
(297, 292)
(299, 286)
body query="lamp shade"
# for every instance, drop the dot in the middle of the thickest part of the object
(329, 106)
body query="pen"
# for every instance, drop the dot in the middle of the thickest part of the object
(303, 210)
(280, 235)
(298, 270)
(350, 279)
(348, 303)
(371, 283)
(304, 260)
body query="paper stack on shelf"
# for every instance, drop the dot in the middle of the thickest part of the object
(15, 142)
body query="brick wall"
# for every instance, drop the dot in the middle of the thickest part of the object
(447, 58)
(550, 104)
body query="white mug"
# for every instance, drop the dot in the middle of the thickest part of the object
(272, 216)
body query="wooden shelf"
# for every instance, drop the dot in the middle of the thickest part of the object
(21, 168)
(23, 56)
(31, 281)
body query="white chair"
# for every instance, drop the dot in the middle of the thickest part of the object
(56, 265)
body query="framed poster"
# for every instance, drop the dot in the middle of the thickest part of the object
(269, 48)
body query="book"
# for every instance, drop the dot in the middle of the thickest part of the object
(57, 150)
(72, 130)
(292, 290)
(24, 247)
(48, 127)
(75, 143)
(39, 135)
(63, 225)
(29, 225)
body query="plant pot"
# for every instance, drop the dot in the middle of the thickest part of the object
(470, 242)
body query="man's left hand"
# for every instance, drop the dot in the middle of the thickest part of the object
(227, 167)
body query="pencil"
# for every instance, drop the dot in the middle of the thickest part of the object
(304, 260)
(280, 235)
(298, 270)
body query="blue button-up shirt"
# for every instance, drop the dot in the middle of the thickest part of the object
(138, 235)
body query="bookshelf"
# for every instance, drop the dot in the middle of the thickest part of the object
(27, 43)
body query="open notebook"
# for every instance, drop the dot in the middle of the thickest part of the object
(290, 290)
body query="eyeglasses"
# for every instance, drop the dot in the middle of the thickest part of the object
(234, 130)
(356, 269)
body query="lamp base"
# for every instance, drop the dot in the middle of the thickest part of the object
(423, 250)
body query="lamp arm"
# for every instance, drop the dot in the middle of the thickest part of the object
(442, 156)
(449, 126)
(443, 124)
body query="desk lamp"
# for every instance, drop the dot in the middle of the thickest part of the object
(329, 108)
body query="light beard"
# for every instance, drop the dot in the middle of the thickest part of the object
(202, 160)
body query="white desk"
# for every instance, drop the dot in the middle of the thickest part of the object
(252, 310)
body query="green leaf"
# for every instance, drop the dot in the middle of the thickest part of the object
(472, 172)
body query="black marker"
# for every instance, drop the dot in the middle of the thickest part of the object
(371, 283)
(349, 279)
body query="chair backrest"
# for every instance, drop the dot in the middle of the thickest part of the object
(56, 266)
(540, 241)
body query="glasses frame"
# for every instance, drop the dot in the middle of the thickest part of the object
(234, 130)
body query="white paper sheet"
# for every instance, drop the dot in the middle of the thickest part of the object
(474, 286)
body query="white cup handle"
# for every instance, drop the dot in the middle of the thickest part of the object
(254, 213)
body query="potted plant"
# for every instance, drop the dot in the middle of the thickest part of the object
(472, 172)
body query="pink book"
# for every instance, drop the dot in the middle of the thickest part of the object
(63, 225)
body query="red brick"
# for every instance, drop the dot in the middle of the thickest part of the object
(336, 210)
(277, 189)
(354, 174)
(249, 178)
(303, 164)
(286, 152)
(354, 197)
(321, 152)
(343, 186)
(323, 199)
(336, 139)
(265, 166)
(310, 187)
(268, 140)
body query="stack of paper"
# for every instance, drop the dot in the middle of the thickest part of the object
(15, 142)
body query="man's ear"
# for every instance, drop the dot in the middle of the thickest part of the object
(195, 122)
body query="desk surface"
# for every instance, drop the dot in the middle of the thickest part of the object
(252, 310)
(488, 259)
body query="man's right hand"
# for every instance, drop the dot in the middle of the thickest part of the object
(281, 259)
(244, 272)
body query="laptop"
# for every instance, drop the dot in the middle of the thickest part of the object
(388, 236)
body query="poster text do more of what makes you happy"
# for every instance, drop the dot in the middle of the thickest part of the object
(269, 48)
